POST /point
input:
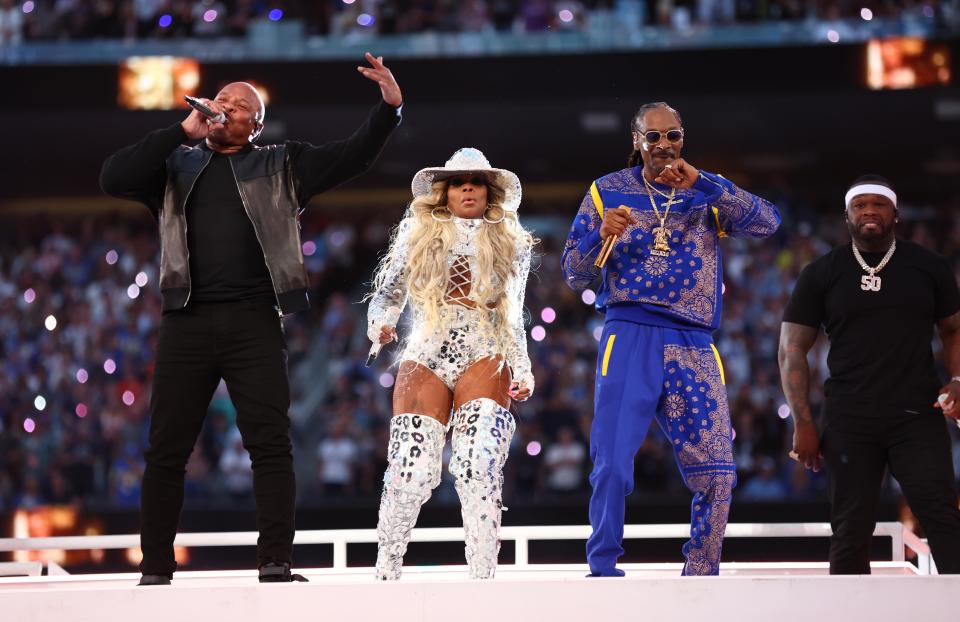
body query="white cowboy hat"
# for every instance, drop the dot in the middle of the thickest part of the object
(469, 160)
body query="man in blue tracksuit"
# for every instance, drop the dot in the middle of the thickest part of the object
(660, 290)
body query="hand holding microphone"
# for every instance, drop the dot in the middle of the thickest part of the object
(388, 333)
(198, 105)
(197, 125)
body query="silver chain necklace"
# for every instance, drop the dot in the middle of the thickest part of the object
(870, 282)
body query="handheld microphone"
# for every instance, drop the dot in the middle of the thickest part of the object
(196, 104)
(942, 399)
(391, 319)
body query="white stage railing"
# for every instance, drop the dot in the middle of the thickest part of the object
(521, 536)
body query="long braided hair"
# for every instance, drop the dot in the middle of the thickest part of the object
(635, 157)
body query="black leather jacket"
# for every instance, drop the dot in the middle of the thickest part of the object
(275, 184)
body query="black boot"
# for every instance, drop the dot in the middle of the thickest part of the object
(154, 579)
(278, 572)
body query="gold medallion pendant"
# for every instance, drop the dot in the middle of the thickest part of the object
(661, 235)
(661, 246)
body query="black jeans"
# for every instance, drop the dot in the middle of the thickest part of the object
(243, 344)
(916, 447)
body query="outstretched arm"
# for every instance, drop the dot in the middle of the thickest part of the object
(321, 167)
(795, 342)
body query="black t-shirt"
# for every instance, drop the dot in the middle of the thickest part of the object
(226, 260)
(880, 359)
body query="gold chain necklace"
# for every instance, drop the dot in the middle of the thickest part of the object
(661, 234)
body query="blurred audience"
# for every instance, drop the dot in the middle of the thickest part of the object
(130, 19)
(79, 310)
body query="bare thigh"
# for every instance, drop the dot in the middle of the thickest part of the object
(419, 391)
(484, 379)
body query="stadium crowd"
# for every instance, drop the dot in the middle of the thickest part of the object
(79, 311)
(164, 19)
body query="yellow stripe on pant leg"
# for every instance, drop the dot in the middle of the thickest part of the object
(716, 354)
(606, 355)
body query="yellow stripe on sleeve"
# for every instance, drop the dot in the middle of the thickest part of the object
(597, 201)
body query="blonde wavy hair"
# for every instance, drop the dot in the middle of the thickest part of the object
(500, 238)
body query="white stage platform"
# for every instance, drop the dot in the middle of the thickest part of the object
(528, 592)
(546, 593)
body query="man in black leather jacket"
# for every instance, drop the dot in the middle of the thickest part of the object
(231, 265)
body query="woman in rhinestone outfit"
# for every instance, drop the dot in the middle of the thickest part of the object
(461, 259)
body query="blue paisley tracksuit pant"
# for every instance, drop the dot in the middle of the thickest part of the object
(646, 372)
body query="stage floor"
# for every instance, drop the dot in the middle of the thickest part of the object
(744, 592)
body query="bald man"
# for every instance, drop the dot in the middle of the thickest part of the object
(230, 268)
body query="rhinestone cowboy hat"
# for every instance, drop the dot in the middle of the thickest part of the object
(469, 160)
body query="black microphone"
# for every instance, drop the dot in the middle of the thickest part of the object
(196, 104)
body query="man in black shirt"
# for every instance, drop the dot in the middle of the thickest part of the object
(231, 265)
(877, 300)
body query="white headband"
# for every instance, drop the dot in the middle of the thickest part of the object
(870, 189)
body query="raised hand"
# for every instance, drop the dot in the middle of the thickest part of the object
(678, 174)
(379, 73)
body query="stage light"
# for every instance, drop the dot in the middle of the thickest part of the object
(534, 448)
(386, 380)
(165, 21)
(338, 238)
(833, 36)
(28, 6)
(50, 323)
(82, 376)
(128, 398)
(29, 425)
(309, 248)
(588, 296)
(40, 402)
(133, 291)
(597, 333)
(112, 257)
(784, 411)
(538, 333)
(275, 15)
(548, 315)
(29, 296)
(566, 16)
(109, 366)
(156, 82)
(866, 14)
(210, 15)
(141, 279)
(365, 19)
(81, 410)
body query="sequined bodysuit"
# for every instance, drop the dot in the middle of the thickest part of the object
(461, 338)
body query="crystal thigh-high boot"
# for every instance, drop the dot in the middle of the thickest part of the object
(414, 460)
